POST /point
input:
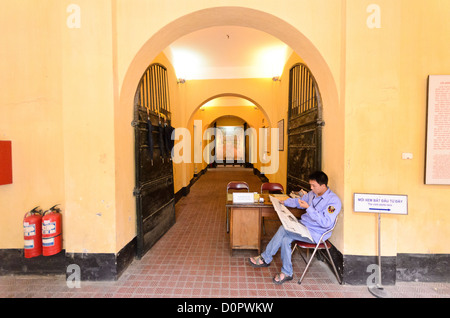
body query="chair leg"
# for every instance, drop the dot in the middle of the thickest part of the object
(293, 249)
(307, 265)
(332, 264)
(300, 252)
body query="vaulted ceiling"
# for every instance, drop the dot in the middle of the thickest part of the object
(227, 52)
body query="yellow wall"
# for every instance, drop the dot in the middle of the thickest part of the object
(67, 105)
(385, 99)
(30, 112)
(88, 97)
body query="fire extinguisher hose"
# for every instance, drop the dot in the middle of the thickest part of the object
(33, 211)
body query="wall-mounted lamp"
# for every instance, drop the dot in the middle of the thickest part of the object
(276, 79)
(181, 81)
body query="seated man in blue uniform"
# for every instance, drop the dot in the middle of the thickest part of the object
(322, 208)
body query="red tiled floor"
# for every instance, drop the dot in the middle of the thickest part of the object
(194, 260)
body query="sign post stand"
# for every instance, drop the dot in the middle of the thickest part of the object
(379, 203)
(377, 289)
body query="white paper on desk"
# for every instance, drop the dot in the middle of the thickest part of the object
(289, 221)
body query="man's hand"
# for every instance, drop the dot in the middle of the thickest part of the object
(303, 204)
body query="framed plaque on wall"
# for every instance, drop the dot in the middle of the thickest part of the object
(437, 161)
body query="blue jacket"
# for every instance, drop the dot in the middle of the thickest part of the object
(320, 215)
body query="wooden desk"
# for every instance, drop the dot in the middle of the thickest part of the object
(245, 222)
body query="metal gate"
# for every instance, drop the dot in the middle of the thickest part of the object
(154, 190)
(304, 128)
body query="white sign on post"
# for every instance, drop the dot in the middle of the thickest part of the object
(381, 203)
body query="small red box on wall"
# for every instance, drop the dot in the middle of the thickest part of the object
(5, 162)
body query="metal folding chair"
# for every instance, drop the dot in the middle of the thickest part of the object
(321, 245)
(237, 186)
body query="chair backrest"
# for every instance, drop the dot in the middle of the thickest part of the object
(237, 185)
(332, 228)
(272, 187)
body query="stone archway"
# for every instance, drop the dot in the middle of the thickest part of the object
(239, 16)
(189, 121)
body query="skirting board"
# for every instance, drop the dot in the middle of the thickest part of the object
(93, 266)
(353, 269)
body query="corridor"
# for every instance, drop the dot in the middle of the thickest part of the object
(194, 260)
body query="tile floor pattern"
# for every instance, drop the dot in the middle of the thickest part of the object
(194, 260)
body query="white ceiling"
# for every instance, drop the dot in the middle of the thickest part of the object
(227, 52)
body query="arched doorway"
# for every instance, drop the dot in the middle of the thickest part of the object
(224, 113)
(241, 16)
(191, 22)
(230, 143)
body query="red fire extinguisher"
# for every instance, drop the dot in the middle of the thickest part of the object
(32, 233)
(52, 231)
